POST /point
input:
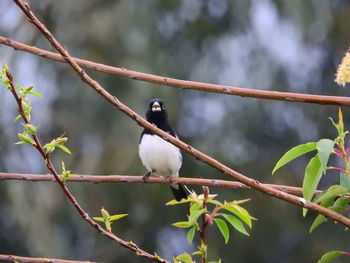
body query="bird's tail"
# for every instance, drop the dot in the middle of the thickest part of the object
(179, 191)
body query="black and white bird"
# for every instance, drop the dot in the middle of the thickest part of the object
(160, 157)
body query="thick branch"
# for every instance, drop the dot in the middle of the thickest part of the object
(151, 179)
(14, 258)
(184, 84)
(166, 136)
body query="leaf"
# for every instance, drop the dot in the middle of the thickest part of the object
(186, 258)
(320, 219)
(219, 261)
(190, 234)
(345, 181)
(182, 224)
(313, 173)
(30, 128)
(324, 149)
(330, 194)
(174, 202)
(26, 139)
(241, 213)
(223, 228)
(194, 207)
(116, 217)
(236, 223)
(105, 213)
(193, 217)
(294, 153)
(339, 205)
(329, 256)
(64, 148)
(214, 202)
(19, 116)
(97, 218)
(35, 93)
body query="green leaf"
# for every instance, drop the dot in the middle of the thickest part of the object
(35, 93)
(97, 218)
(329, 256)
(194, 207)
(313, 173)
(339, 205)
(236, 223)
(105, 213)
(185, 258)
(49, 147)
(116, 217)
(182, 224)
(193, 217)
(294, 153)
(64, 148)
(345, 181)
(324, 149)
(214, 202)
(174, 202)
(26, 139)
(330, 194)
(223, 228)
(241, 213)
(19, 116)
(30, 128)
(320, 219)
(190, 234)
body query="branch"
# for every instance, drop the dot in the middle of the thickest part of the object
(184, 84)
(152, 179)
(14, 258)
(46, 156)
(166, 136)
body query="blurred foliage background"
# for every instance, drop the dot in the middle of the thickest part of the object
(260, 44)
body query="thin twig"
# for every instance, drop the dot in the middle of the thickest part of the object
(166, 136)
(152, 179)
(13, 258)
(183, 84)
(65, 189)
(202, 232)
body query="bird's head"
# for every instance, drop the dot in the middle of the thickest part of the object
(156, 105)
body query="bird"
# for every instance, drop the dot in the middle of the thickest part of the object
(158, 156)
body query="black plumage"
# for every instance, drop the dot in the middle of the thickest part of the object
(159, 156)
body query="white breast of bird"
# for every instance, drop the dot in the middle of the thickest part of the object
(160, 156)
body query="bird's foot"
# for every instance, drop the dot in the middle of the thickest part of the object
(145, 177)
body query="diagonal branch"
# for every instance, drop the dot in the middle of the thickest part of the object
(166, 136)
(184, 84)
(46, 156)
(83, 178)
(13, 258)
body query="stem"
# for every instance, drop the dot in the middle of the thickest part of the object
(204, 222)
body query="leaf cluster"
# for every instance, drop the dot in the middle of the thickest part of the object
(58, 142)
(336, 197)
(107, 219)
(213, 212)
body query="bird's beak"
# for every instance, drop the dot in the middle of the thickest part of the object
(156, 106)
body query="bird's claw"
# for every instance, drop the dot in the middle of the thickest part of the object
(145, 177)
